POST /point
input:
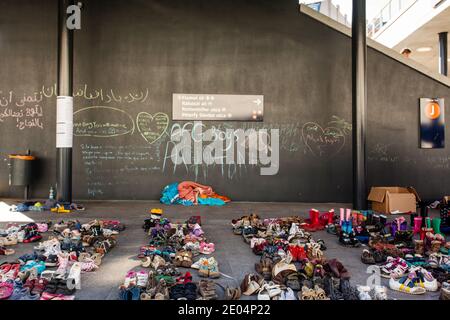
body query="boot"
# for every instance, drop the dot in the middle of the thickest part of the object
(417, 225)
(348, 214)
(383, 220)
(315, 217)
(375, 219)
(369, 220)
(341, 216)
(428, 222)
(413, 217)
(419, 247)
(331, 216)
(436, 222)
(311, 217)
(349, 227)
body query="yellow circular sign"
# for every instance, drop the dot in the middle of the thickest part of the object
(433, 110)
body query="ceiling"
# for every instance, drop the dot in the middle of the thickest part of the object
(427, 37)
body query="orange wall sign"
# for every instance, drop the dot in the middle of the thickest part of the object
(432, 123)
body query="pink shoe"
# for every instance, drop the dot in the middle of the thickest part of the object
(52, 296)
(207, 248)
(341, 216)
(42, 227)
(63, 264)
(348, 214)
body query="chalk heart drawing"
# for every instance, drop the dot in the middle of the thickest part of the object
(152, 127)
(323, 142)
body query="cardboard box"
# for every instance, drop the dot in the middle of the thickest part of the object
(446, 200)
(393, 199)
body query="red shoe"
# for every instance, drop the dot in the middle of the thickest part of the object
(185, 279)
(330, 217)
(301, 253)
(293, 251)
(33, 239)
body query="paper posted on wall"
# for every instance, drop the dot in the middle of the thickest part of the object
(64, 122)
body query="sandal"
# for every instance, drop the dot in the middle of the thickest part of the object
(263, 293)
(307, 294)
(320, 293)
(264, 268)
(207, 289)
(6, 252)
(251, 284)
(183, 259)
(233, 293)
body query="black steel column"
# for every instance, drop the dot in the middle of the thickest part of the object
(359, 86)
(443, 53)
(65, 85)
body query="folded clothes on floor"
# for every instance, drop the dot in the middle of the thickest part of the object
(190, 193)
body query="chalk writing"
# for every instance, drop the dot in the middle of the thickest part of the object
(108, 167)
(323, 142)
(109, 95)
(381, 152)
(25, 110)
(152, 127)
(102, 122)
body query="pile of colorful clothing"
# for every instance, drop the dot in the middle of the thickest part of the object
(190, 193)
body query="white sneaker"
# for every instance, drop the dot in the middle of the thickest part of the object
(20, 236)
(53, 248)
(142, 279)
(363, 293)
(75, 275)
(379, 293)
(294, 229)
(288, 294)
(109, 232)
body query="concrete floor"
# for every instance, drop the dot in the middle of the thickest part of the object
(234, 256)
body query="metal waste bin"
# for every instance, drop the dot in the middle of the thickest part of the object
(20, 169)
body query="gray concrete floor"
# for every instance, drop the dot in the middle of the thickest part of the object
(234, 256)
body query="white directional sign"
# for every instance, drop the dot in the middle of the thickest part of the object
(217, 107)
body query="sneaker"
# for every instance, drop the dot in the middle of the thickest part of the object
(364, 293)
(74, 276)
(63, 263)
(51, 261)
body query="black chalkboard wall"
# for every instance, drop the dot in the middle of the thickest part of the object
(130, 56)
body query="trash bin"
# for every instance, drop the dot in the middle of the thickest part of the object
(20, 169)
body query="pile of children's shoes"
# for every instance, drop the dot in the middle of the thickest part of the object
(414, 258)
(292, 264)
(15, 234)
(53, 270)
(172, 247)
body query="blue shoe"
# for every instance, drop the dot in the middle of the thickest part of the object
(28, 257)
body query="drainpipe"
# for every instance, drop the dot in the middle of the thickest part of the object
(64, 106)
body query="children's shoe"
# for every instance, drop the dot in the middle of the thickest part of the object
(207, 248)
(213, 268)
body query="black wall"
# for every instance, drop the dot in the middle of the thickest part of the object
(302, 67)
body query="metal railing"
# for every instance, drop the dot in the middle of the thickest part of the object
(391, 11)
